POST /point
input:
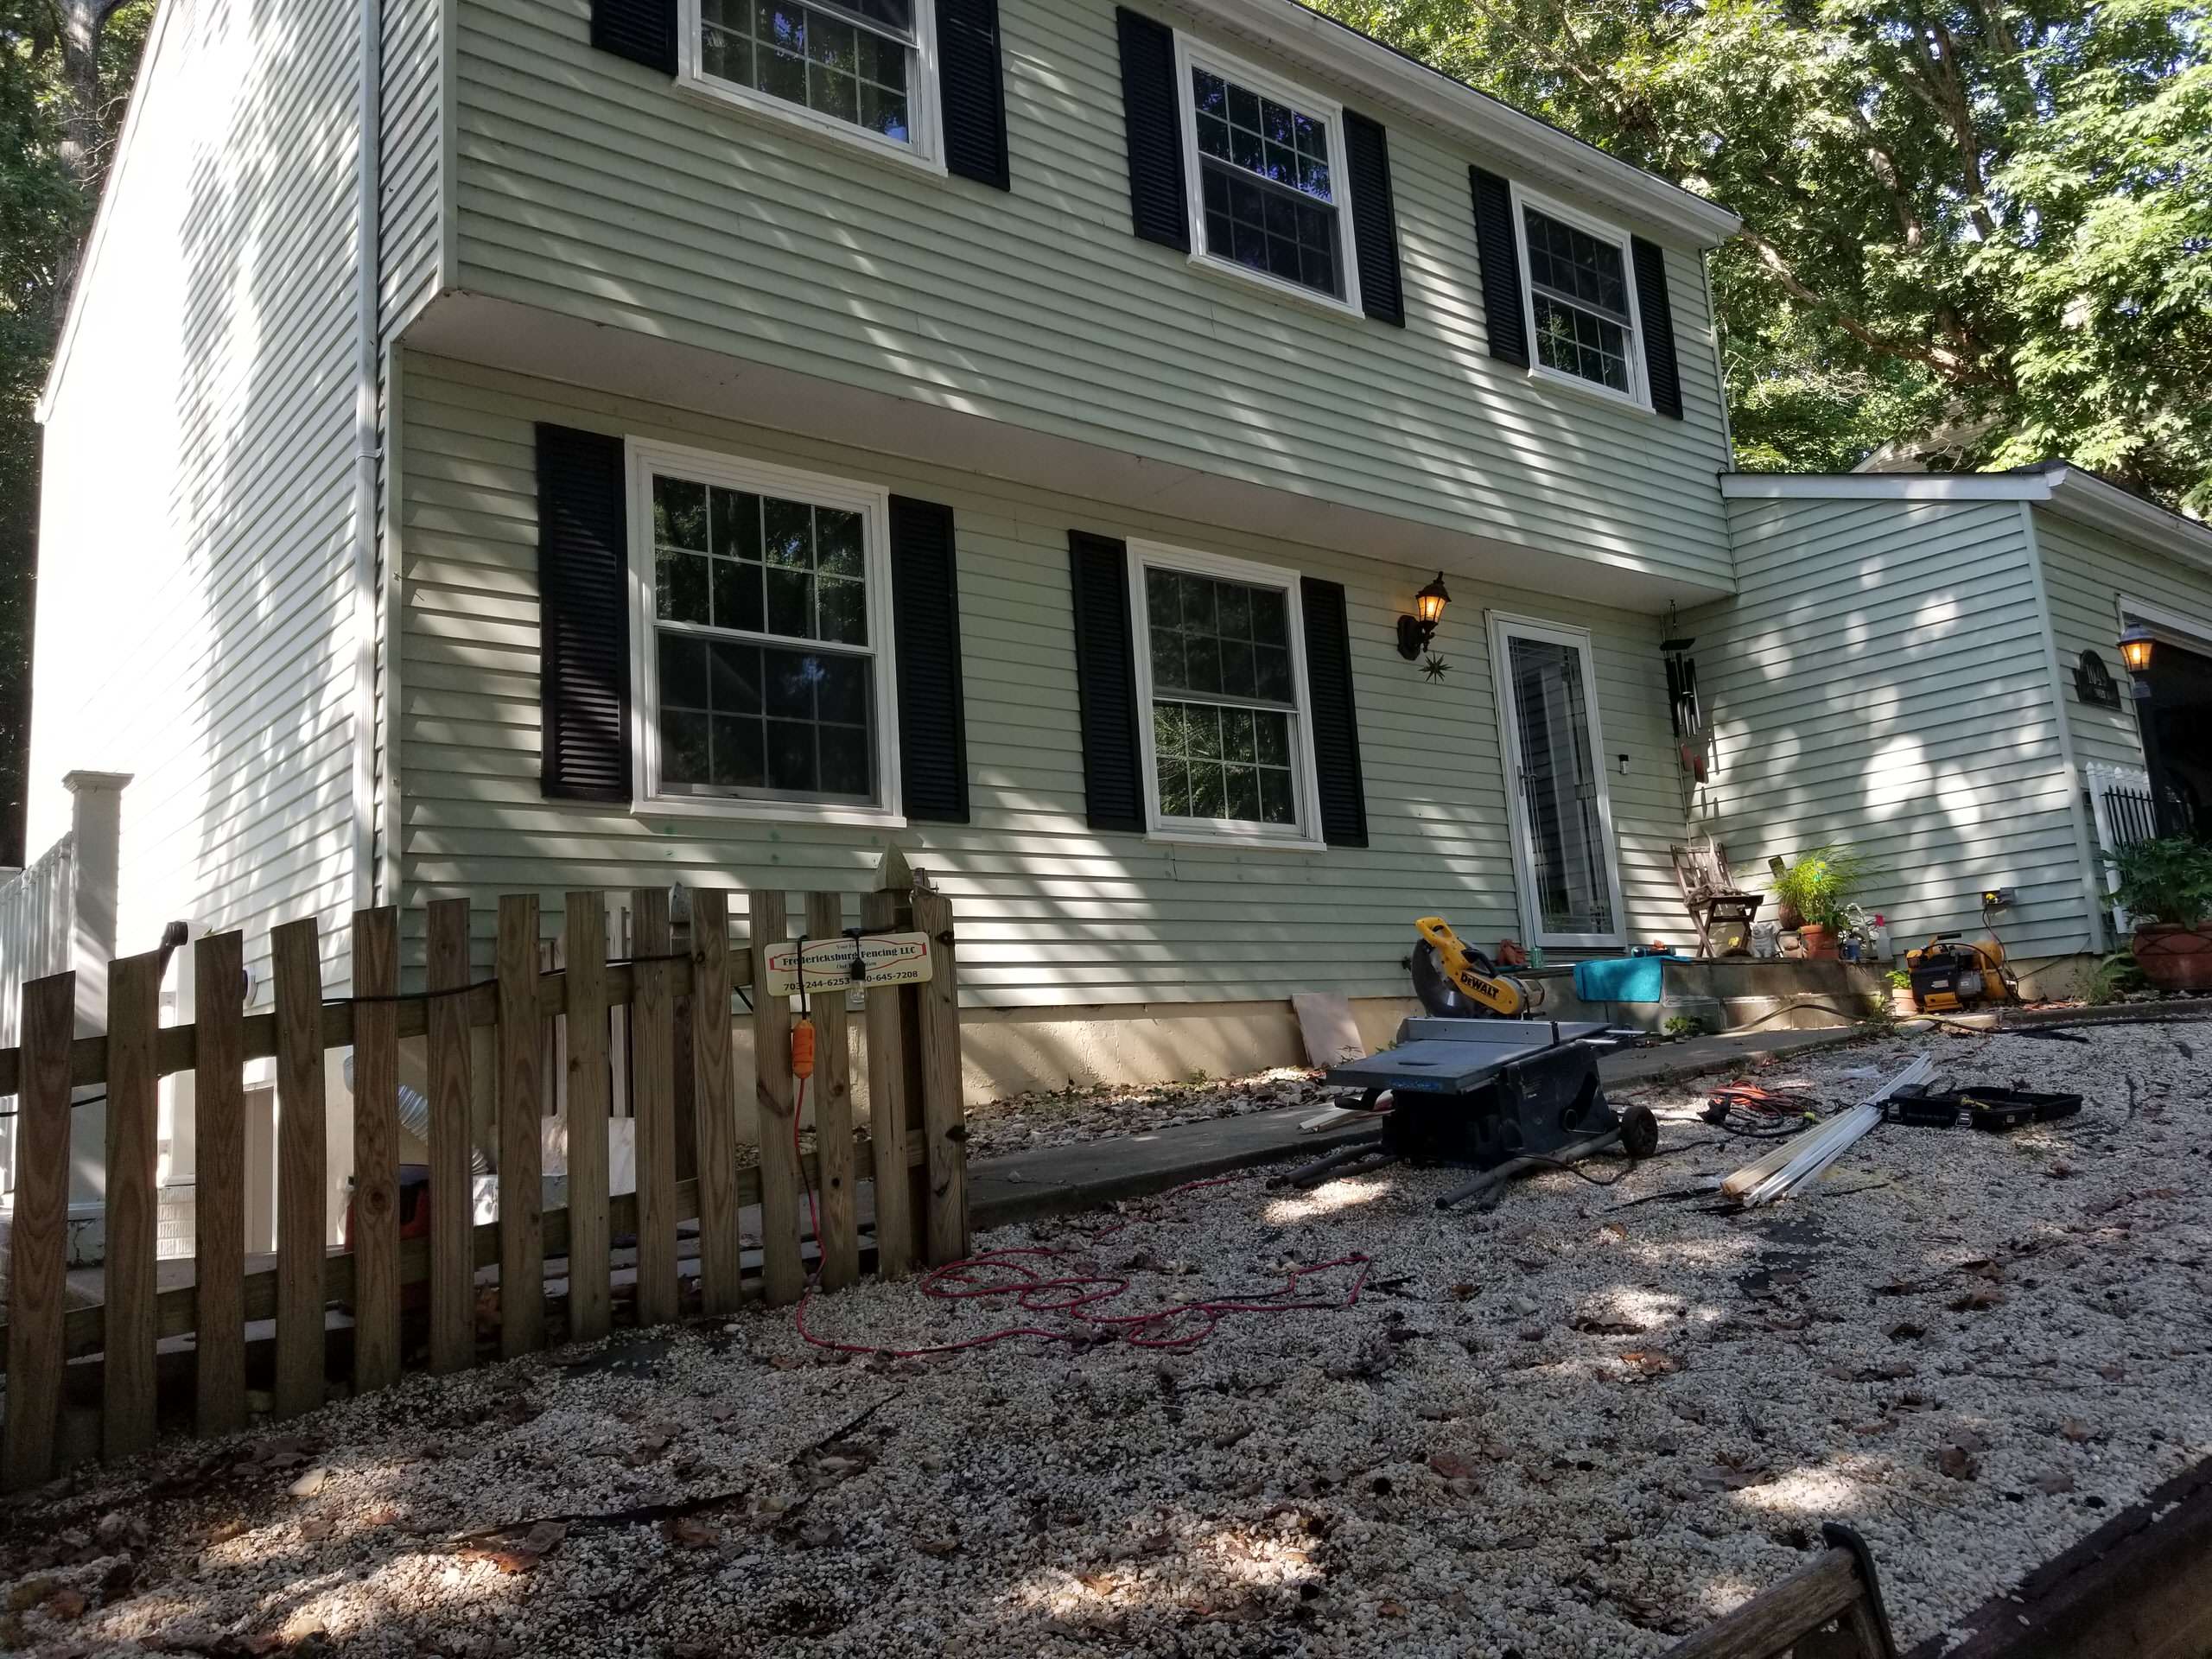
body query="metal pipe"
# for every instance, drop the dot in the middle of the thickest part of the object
(368, 169)
(1491, 1178)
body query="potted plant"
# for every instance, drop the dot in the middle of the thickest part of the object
(1818, 887)
(2165, 886)
(1901, 1003)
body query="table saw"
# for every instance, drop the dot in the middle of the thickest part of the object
(1481, 1093)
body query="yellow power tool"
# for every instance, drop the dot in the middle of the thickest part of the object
(1455, 980)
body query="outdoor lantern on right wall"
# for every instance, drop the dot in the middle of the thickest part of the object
(2135, 646)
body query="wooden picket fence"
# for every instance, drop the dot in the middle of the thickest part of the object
(912, 1147)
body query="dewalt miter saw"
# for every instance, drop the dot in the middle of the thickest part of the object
(1455, 980)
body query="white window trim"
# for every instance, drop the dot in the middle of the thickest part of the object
(1191, 55)
(1503, 625)
(1303, 837)
(926, 151)
(645, 457)
(1639, 374)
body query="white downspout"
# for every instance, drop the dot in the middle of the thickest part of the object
(367, 325)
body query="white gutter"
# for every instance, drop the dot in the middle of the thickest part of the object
(1537, 149)
(2067, 491)
(367, 317)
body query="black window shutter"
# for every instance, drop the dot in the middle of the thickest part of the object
(1336, 722)
(1374, 218)
(1113, 786)
(583, 630)
(925, 612)
(1154, 122)
(643, 31)
(1497, 247)
(972, 89)
(1656, 312)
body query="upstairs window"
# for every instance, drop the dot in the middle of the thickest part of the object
(1268, 179)
(857, 67)
(1582, 319)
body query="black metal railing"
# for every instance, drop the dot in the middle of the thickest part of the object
(2130, 816)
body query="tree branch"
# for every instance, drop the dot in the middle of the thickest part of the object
(1954, 366)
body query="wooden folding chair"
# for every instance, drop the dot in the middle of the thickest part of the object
(1713, 900)
(1838, 1590)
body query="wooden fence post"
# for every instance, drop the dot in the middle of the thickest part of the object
(302, 1160)
(453, 1188)
(522, 1190)
(837, 1228)
(584, 947)
(782, 1273)
(134, 1015)
(219, 1195)
(943, 1119)
(713, 1104)
(886, 1107)
(38, 1239)
(652, 1103)
(374, 1238)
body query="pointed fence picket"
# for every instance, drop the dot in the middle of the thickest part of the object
(570, 1030)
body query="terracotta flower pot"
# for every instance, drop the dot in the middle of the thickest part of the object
(2174, 958)
(1821, 943)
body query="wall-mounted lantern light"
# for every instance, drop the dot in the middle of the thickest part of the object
(2135, 650)
(1415, 632)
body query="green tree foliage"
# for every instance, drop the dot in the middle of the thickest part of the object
(1980, 228)
(65, 72)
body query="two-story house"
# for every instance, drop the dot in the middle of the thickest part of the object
(714, 442)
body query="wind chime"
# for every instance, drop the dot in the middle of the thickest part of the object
(1684, 712)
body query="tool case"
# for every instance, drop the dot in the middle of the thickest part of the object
(1985, 1109)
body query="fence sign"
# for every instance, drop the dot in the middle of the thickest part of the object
(885, 959)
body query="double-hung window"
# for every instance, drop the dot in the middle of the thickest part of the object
(1267, 179)
(1224, 706)
(1582, 313)
(861, 68)
(763, 642)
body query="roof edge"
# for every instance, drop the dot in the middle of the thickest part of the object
(96, 238)
(1404, 81)
(2063, 488)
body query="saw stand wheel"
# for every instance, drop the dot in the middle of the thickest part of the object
(1639, 1132)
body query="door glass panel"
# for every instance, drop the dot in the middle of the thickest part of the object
(1559, 783)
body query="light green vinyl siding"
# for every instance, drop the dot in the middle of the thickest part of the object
(195, 538)
(411, 182)
(2087, 573)
(1050, 913)
(589, 185)
(1880, 681)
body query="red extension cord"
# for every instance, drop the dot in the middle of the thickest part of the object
(1075, 1296)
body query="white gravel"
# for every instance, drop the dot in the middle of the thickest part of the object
(1563, 1427)
(1091, 1112)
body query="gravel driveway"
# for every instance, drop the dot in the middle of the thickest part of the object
(1576, 1425)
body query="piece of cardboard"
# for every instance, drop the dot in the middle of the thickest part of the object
(1332, 1035)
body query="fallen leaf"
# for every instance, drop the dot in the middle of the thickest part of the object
(1462, 1293)
(2076, 1431)
(690, 1532)
(1452, 1465)
(64, 1605)
(939, 1547)
(1598, 1327)
(2111, 1373)
(1981, 1297)
(2052, 1484)
(1953, 1461)
(1390, 1609)
(1906, 1331)
(1651, 1362)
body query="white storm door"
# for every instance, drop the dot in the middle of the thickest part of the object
(1563, 850)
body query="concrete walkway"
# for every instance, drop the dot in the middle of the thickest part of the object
(1055, 1180)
